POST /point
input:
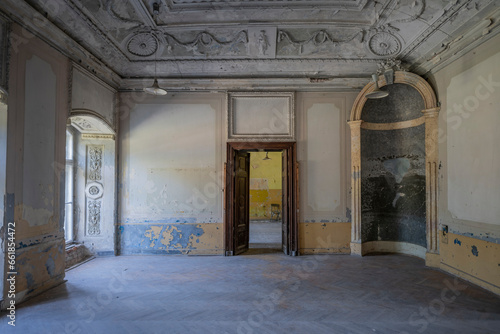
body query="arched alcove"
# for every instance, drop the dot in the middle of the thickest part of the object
(90, 184)
(394, 173)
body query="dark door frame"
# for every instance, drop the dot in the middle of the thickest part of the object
(292, 207)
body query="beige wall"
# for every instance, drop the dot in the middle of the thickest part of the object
(323, 144)
(469, 178)
(38, 106)
(172, 151)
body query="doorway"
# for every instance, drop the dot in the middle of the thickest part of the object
(266, 201)
(237, 196)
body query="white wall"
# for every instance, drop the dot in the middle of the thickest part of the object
(472, 100)
(102, 243)
(174, 157)
(323, 155)
(89, 93)
(469, 192)
(38, 107)
(171, 172)
(39, 136)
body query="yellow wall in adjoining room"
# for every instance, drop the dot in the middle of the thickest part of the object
(265, 183)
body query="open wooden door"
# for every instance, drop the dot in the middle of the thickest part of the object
(241, 217)
(237, 196)
(284, 203)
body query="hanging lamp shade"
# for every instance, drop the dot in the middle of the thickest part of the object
(266, 157)
(376, 93)
(155, 89)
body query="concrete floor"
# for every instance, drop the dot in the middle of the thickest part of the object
(270, 293)
(265, 234)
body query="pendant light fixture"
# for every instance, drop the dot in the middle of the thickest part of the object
(155, 88)
(376, 93)
(266, 157)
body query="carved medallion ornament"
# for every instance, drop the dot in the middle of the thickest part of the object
(143, 45)
(94, 217)
(94, 190)
(384, 44)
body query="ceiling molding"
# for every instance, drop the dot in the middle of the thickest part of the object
(38, 25)
(313, 83)
(183, 5)
(119, 40)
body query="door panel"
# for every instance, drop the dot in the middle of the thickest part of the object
(241, 202)
(284, 202)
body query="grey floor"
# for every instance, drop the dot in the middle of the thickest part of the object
(265, 234)
(270, 293)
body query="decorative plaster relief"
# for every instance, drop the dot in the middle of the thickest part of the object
(119, 16)
(94, 163)
(262, 42)
(94, 190)
(317, 42)
(97, 136)
(94, 217)
(208, 44)
(384, 44)
(209, 4)
(83, 125)
(193, 44)
(142, 45)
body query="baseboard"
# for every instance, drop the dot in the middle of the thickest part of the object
(468, 277)
(393, 247)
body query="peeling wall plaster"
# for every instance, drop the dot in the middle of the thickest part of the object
(468, 174)
(35, 160)
(172, 175)
(171, 237)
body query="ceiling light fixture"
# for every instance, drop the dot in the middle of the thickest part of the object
(376, 93)
(266, 157)
(155, 88)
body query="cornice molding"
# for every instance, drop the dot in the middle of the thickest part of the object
(38, 25)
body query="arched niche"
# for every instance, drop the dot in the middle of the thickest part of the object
(405, 122)
(91, 162)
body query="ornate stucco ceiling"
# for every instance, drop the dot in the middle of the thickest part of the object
(272, 39)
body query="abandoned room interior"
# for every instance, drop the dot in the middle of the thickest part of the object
(250, 166)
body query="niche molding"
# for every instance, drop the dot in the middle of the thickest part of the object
(430, 119)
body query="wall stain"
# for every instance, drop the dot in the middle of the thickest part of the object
(51, 266)
(458, 242)
(474, 250)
